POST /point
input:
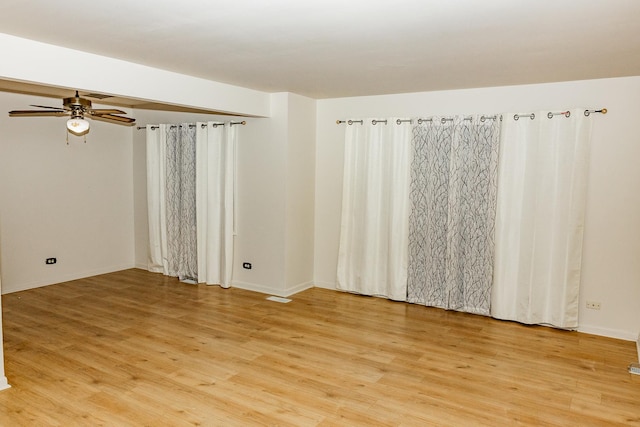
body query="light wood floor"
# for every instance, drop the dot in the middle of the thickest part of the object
(134, 348)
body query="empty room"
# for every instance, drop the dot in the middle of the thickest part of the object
(352, 213)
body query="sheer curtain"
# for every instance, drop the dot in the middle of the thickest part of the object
(453, 200)
(540, 218)
(372, 258)
(190, 196)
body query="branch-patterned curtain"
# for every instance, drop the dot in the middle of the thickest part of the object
(181, 202)
(191, 199)
(451, 222)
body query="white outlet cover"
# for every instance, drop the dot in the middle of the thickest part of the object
(593, 305)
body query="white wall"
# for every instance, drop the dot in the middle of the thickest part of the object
(276, 160)
(611, 264)
(73, 202)
(300, 193)
(261, 225)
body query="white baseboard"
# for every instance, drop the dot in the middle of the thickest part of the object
(4, 384)
(63, 278)
(263, 289)
(298, 288)
(325, 285)
(255, 287)
(610, 333)
(141, 266)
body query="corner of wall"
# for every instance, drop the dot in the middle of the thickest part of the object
(4, 384)
(607, 332)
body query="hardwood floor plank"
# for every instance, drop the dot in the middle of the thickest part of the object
(134, 348)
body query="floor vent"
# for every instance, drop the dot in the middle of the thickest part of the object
(279, 299)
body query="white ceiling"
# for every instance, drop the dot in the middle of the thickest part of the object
(337, 48)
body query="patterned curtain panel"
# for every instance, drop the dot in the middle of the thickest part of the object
(180, 202)
(451, 223)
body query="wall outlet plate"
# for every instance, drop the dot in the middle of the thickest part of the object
(593, 305)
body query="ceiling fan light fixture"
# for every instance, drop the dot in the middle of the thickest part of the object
(78, 126)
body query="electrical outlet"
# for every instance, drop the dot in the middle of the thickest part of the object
(50, 261)
(593, 305)
(246, 265)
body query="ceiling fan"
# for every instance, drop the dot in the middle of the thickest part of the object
(77, 108)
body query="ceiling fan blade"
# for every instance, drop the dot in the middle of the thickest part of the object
(109, 118)
(45, 106)
(33, 113)
(101, 111)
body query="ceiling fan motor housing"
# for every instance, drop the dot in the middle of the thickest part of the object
(76, 102)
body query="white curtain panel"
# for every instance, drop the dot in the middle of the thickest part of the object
(215, 187)
(372, 258)
(542, 186)
(453, 202)
(156, 207)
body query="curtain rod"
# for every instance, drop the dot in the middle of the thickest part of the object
(420, 121)
(192, 125)
(443, 120)
(567, 113)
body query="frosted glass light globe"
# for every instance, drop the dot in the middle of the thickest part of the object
(78, 126)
